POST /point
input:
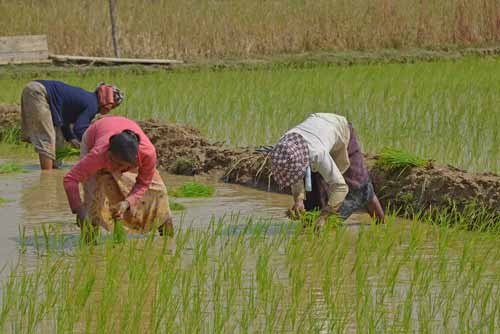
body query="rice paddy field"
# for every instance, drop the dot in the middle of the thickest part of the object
(235, 263)
(445, 111)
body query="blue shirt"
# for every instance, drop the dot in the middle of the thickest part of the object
(70, 105)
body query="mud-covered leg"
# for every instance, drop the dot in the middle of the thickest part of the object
(167, 228)
(375, 209)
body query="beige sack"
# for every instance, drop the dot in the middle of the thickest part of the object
(149, 212)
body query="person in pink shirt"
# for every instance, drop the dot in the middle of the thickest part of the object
(115, 145)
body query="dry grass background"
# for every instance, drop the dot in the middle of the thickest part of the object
(242, 28)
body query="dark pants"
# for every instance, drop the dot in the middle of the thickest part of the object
(356, 199)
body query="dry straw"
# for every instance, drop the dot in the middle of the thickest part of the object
(186, 29)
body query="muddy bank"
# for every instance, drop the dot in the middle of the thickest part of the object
(9, 120)
(182, 150)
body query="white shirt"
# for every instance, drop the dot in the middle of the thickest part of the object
(327, 137)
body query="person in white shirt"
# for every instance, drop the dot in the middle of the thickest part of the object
(323, 152)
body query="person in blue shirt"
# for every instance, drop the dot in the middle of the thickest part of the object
(53, 112)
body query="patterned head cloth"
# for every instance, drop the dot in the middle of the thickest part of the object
(289, 158)
(109, 96)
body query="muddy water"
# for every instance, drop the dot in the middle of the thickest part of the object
(35, 198)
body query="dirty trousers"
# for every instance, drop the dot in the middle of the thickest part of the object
(356, 199)
(36, 121)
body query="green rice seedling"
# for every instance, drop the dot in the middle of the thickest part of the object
(193, 189)
(66, 153)
(252, 280)
(396, 159)
(174, 206)
(3, 201)
(119, 233)
(422, 108)
(10, 135)
(11, 168)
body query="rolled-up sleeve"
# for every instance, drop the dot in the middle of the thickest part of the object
(330, 172)
(144, 178)
(85, 168)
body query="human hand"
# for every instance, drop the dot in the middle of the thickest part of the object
(297, 209)
(75, 143)
(121, 208)
(81, 215)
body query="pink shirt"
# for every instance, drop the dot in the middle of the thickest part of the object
(97, 140)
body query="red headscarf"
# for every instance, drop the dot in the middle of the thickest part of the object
(109, 96)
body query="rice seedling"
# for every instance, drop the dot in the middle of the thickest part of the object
(422, 108)
(239, 276)
(392, 158)
(308, 218)
(11, 168)
(193, 189)
(3, 201)
(174, 206)
(66, 153)
(119, 233)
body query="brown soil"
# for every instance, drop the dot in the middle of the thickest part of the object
(183, 150)
(9, 117)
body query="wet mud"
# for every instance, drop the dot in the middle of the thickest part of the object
(183, 150)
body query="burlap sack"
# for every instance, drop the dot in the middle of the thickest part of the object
(148, 213)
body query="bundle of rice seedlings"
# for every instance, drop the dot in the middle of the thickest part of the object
(309, 218)
(396, 159)
(193, 189)
(174, 206)
(67, 152)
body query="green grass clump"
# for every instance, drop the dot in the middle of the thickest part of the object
(392, 158)
(174, 206)
(67, 152)
(3, 201)
(10, 168)
(193, 189)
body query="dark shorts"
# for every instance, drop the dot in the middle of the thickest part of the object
(356, 199)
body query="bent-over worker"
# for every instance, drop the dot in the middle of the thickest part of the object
(118, 170)
(52, 112)
(321, 160)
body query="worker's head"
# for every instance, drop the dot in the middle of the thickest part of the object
(289, 160)
(109, 97)
(123, 150)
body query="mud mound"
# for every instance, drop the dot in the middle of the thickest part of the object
(183, 150)
(436, 188)
(10, 116)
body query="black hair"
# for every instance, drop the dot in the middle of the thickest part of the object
(125, 146)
